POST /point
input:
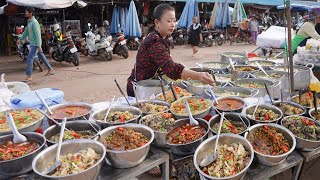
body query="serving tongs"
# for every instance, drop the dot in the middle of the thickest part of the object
(212, 157)
(57, 161)
(191, 118)
(108, 110)
(163, 90)
(17, 137)
(120, 89)
(173, 91)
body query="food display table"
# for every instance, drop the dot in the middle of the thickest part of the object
(155, 158)
(308, 156)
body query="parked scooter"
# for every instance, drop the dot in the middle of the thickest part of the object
(23, 51)
(119, 45)
(180, 37)
(64, 50)
(97, 46)
(218, 37)
(133, 43)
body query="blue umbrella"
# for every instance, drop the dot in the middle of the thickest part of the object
(226, 18)
(132, 22)
(114, 21)
(189, 11)
(123, 16)
(219, 16)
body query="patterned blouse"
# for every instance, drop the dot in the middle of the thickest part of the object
(153, 55)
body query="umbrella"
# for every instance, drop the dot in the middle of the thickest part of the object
(189, 11)
(132, 22)
(239, 13)
(45, 4)
(123, 16)
(226, 19)
(213, 16)
(114, 21)
(219, 16)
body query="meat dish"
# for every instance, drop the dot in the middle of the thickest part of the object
(70, 112)
(289, 109)
(179, 92)
(197, 106)
(159, 122)
(69, 135)
(306, 100)
(229, 104)
(263, 114)
(10, 150)
(152, 108)
(229, 126)
(186, 134)
(120, 116)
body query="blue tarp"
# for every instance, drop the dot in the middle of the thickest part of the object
(115, 22)
(258, 2)
(132, 22)
(301, 5)
(189, 11)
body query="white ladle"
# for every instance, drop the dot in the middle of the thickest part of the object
(44, 102)
(260, 67)
(210, 158)
(255, 109)
(192, 120)
(108, 110)
(17, 137)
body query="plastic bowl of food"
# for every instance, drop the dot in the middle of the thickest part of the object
(238, 144)
(305, 130)
(267, 152)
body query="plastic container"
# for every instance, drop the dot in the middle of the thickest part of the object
(52, 96)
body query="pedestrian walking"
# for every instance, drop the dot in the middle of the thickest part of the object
(254, 28)
(33, 33)
(194, 34)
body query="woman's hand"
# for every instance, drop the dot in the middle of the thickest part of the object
(205, 77)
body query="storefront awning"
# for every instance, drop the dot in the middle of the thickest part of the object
(47, 4)
(259, 2)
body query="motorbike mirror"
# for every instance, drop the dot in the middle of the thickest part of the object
(89, 25)
(22, 26)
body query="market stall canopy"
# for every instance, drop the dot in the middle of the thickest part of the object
(259, 2)
(239, 12)
(47, 4)
(302, 5)
(132, 22)
(189, 11)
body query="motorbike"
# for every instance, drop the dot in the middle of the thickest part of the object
(218, 36)
(23, 51)
(133, 43)
(97, 46)
(80, 44)
(180, 36)
(64, 50)
(118, 42)
(242, 35)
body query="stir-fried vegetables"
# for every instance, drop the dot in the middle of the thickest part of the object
(74, 163)
(69, 135)
(266, 140)
(245, 68)
(22, 118)
(263, 114)
(229, 126)
(159, 122)
(185, 134)
(302, 127)
(231, 159)
(289, 109)
(197, 106)
(214, 65)
(123, 139)
(120, 116)
(70, 112)
(10, 150)
(229, 104)
(251, 85)
(306, 100)
(151, 108)
(179, 92)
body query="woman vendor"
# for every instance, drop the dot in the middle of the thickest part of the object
(154, 55)
(307, 30)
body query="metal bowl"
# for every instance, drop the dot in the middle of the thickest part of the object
(30, 128)
(198, 90)
(189, 148)
(158, 102)
(312, 111)
(81, 104)
(207, 146)
(80, 125)
(128, 158)
(231, 98)
(238, 57)
(277, 103)
(200, 115)
(23, 164)
(159, 136)
(249, 110)
(269, 160)
(43, 159)
(265, 67)
(304, 144)
(243, 73)
(98, 116)
(215, 66)
(233, 117)
(243, 92)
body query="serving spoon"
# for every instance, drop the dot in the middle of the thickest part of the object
(261, 68)
(108, 110)
(57, 161)
(173, 91)
(17, 137)
(255, 109)
(210, 158)
(268, 92)
(44, 103)
(212, 94)
(315, 104)
(192, 120)
(120, 89)
(163, 90)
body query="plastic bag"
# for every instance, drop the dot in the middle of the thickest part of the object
(314, 83)
(2, 83)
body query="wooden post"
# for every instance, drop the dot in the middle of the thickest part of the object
(289, 47)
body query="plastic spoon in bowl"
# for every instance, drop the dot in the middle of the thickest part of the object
(108, 110)
(17, 137)
(125, 97)
(210, 158)
(91, 124)
(57, 161)
(261, 68)
(268, 92)
(53, 120)
(8, 104)
(44, 102)
(255, 109)
(212, 94)
(192, 120)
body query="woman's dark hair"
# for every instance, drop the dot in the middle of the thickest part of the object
(30, 10)
(161, 9)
